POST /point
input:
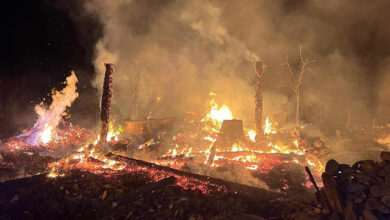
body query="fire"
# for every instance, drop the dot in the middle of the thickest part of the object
(268, 129)
(45, 135)
(112, 135)
(45, 131)
(216, 115)
(257, 157)
(251, 133)
(236, 147)
(49, 118)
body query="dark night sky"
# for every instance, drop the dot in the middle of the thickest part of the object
(40, 43)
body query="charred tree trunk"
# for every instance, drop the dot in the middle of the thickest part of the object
(259, 100)
(106, 102)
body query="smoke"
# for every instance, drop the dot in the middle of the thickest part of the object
(181, 50)
(230, 172)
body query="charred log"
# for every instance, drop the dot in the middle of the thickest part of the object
(106, 101)
(235, 188)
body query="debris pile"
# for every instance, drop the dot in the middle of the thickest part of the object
(358, 191)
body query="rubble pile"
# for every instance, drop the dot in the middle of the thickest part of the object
(358, 191)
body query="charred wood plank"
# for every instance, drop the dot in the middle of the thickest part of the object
(234, 188)
(268, 156)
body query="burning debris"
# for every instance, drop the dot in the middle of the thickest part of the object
(210, 154)
(254, 149)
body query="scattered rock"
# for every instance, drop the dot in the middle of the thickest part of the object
(332, 194)
(362, 191)
(385, 155)
(368, 215)
(332, 167)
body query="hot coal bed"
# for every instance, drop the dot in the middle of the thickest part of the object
(213, 168)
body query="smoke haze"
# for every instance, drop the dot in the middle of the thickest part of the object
(182, 50)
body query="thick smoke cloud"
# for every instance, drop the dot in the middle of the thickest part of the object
(182, 50)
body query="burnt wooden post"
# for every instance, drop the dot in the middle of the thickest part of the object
(106, 102)
(232, 131)
(259, 99)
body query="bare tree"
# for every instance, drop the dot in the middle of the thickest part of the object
(297, 81)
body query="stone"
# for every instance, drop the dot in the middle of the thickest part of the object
(386, 201)
(349, 212)
(332, 167)
(354, 187)
(368, 215)
(332, 194)
(344, 167)
(375, 204)
(377, 191)
(362, 178)
(385, 156)
(368, 166)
